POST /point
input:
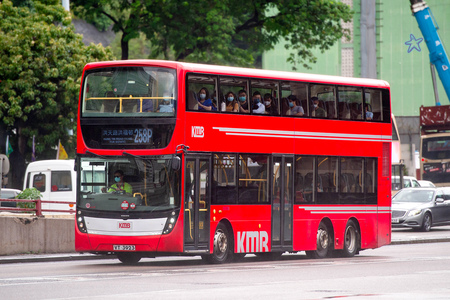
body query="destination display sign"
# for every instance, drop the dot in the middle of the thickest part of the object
(129, 136)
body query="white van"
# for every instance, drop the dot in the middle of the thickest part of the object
(56, 180)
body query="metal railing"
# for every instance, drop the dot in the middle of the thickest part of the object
(38, 206)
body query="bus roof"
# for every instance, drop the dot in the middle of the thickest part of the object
(233, 71)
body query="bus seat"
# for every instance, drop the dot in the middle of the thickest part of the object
(192, 101)
(298, 181)
(344, 111)
(304, 104)
(350, 181)
(330, 108)
(135, 182)
(376, 116)
(355, 110)
(130, 105)
(343, 184)
(325, 182)
(110, 105)
(308, 181)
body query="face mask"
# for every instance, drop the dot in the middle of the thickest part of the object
(117, 179)
(242, 99)
(257, 100)
(291, 104)
(267, 103)
(202, 96)
(230, 99)
(315, 105)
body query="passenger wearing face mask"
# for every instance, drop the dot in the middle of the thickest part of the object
(271, 107)
(258, 106)
(243, 103)
(230, 104)
(166, 106)
(204, 102)
(119, 186)
(317, 111)
(294, 108)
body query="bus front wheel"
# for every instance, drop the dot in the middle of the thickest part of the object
(222, 252)
(324, 243)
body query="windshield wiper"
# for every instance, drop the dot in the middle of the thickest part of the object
(95, 154)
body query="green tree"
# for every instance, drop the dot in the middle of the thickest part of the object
(225, 31)
(41, 60)
(124, 15)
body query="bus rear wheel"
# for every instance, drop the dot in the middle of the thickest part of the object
(128, 258)
(223, 242)
(323, 243)
(351, 240)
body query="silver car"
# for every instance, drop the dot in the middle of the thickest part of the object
(8, 194)
(421, 208)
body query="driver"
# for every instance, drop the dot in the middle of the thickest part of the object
(119, 185)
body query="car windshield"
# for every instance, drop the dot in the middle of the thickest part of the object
(129, 92)
(413, 195)
(130, 184)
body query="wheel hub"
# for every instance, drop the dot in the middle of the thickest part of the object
(322, 238)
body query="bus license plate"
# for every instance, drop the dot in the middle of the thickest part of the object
(124, 247)
(395, 220)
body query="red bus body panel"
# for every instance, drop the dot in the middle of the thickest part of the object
(216, 132)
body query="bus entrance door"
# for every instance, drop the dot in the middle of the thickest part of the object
(196, 204)
(282, 202)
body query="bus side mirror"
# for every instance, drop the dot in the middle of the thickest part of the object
(176, 163)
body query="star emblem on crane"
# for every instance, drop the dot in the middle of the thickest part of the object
(413, 43)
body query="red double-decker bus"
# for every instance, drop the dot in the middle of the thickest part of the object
(263, 162)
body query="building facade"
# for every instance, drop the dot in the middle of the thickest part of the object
(378, 49)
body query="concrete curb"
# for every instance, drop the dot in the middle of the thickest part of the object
(25, 258)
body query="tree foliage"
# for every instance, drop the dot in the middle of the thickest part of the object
(124, 15)
(41, 60)
(224, 31)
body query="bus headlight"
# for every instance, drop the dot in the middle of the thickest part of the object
(80, 222)
(170, 223)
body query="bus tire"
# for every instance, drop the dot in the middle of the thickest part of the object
(223, 246)
(128, 258)
(351, 239)
(323, 243)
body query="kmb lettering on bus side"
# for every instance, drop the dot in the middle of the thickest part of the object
(252, 241)
(198, 131)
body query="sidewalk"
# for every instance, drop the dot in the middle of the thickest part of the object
(399, 236)
(408, 236)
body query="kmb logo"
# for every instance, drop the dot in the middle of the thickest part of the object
(252, 241)
(124, 225)
(198, 131)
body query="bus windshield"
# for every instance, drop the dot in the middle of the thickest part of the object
(436, 147)
(129, 91)
(129, 184)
